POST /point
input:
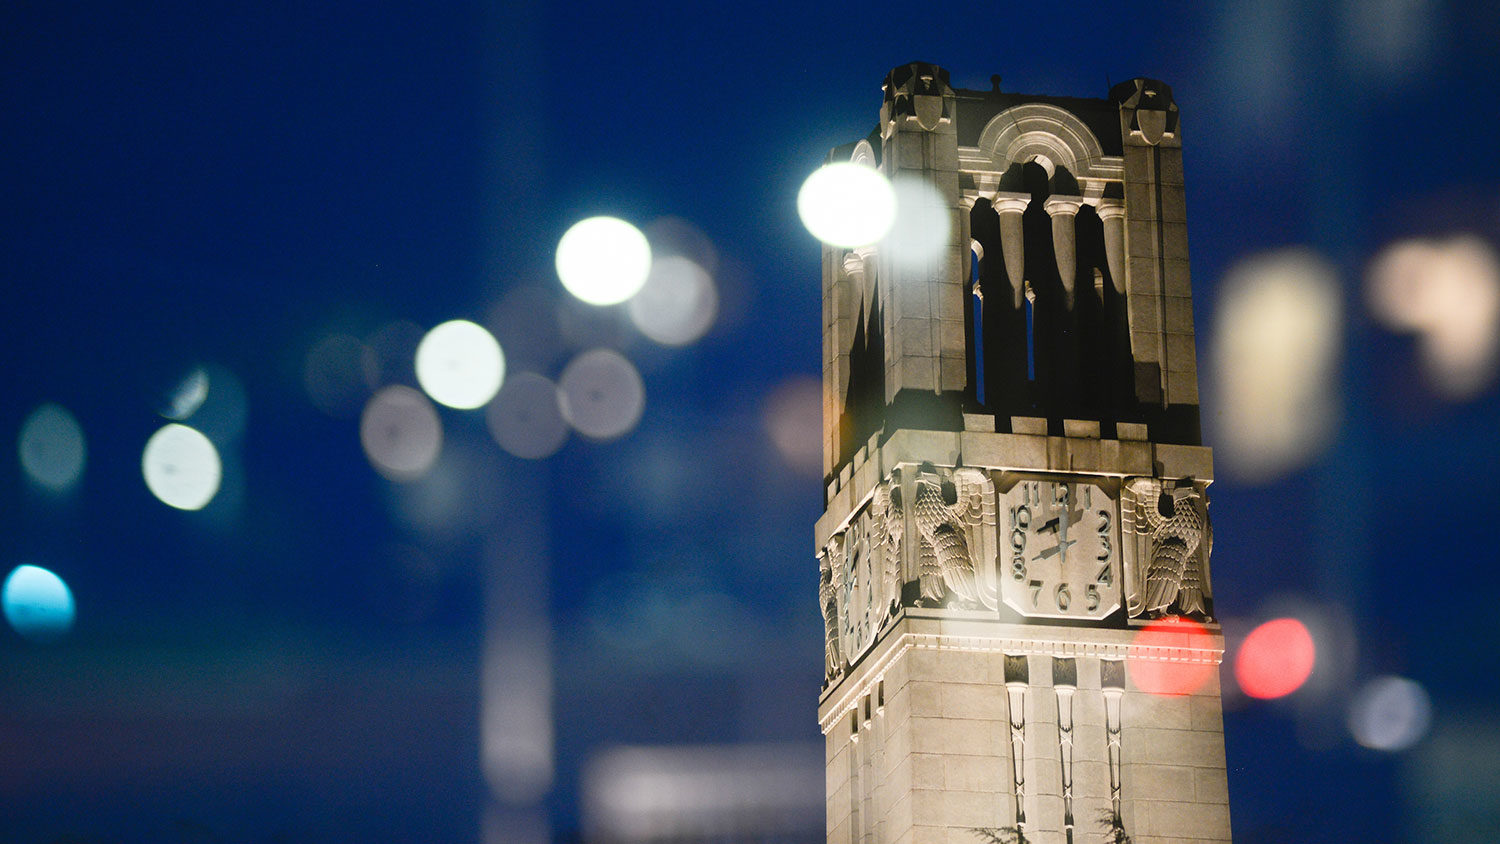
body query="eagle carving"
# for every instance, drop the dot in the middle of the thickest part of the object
(948, 509)
(1175, 528)
(829, 563)
(887, 526)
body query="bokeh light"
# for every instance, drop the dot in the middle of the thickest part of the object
(188, 395)
(1448, 292)
(1169, 657)
(37, 603)
(460, 364)
(181, 467)
(794, 420)
(526, 419)
(401, 433)
(603, 260)
(1275, 659)
(1390, 713)
(847, 204)
(52, 448)
(602, 394)
(678, 303)
(1280, 321)
(923, 225)
(333, 374)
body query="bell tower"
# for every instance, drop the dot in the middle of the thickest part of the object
(1018, 612)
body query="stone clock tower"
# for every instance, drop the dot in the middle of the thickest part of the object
(1021, 642)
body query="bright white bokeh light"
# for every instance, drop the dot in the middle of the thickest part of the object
(1390, 713)
(1448, 293)
(847, 204)
(678, 303)
(602, 394)
(526, 419)
(401, 433)
(1280, 319)
(37, 603)
(460, 364)
(603, 260)
(923, 224)
(181, 467)
(52, 448)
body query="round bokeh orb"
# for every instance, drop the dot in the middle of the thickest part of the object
(678, 304)
(181, 467)
(525, 418)
(1390, 713)
(847, 204)
(1275, 659)
(1155, 659)
(603, 260)
(401, 433)
(923, 225)
(602, 394)
(460, 364)
(52, 448)
(37, 603)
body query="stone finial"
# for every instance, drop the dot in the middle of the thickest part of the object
(917, 90)
(1155, 112)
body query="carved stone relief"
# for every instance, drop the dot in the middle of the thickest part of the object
(887, 527)
(953, 511)
(828, 589)
(1168, 539)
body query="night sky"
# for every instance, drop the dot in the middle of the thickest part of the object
(190, 186)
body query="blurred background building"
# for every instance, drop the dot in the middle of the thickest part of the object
(273, 574)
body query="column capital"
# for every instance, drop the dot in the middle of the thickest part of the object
(1009, 201)
(1110, 209)
(1066, 205)
(854, 263)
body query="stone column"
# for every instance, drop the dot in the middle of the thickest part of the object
(1064, 212)
(1010, 206)
(1112, 213)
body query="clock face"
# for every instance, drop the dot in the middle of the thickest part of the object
(1059, 550)
(858, 619)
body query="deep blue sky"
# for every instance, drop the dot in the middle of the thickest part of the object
(184, 184)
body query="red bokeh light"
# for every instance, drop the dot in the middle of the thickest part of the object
(1156, 662)
(1276, 659)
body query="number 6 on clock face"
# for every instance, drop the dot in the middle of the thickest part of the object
(1060, 555)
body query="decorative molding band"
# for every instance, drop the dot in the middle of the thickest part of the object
(888, 651)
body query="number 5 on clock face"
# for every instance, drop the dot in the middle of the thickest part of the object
(1060, 549)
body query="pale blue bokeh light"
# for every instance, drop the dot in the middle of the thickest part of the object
(38, 604)
(52, 448)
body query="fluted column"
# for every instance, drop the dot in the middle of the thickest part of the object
(1011, 206)
(1064, 213)
(1112, 214)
